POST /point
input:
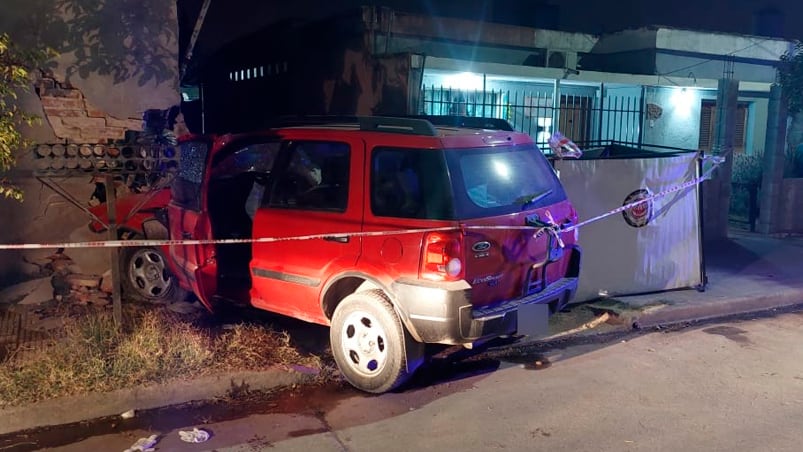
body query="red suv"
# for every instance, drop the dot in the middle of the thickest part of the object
(424, 232)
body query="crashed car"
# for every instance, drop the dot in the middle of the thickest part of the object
(395, 232)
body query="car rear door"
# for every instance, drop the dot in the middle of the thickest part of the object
(193, 265)
(315, 188)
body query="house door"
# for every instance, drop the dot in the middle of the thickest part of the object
(574, 118)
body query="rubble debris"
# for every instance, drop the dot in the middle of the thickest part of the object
(144, 444)
(35, 291)
(80, 280)
(106, 284)
(195, 435)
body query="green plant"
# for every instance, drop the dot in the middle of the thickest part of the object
(16, 66)
(790, 77)
(747, 168)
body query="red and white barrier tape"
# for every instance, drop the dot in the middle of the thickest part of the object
(553, 229)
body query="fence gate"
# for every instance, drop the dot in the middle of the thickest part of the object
(585, 118)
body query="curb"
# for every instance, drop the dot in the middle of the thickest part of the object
(72, 409)
(721, 308)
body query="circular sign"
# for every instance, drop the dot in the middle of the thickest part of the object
(640, 214)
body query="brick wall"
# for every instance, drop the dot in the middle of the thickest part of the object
(73, 117)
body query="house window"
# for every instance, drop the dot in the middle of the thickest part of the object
(708, 124)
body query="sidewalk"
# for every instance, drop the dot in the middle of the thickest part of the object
(748, 273)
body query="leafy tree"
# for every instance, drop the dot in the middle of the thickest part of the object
(790, 77)
(16, 66)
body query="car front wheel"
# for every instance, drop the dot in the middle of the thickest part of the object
(146, 276)
(370, 344)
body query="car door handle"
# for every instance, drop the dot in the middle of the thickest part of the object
(337, 238)
(186, 235)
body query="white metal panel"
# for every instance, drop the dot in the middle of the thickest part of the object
(619, 258)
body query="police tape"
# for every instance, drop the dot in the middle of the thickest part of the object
(549, 226)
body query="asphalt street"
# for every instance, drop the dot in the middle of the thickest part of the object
(722, 386)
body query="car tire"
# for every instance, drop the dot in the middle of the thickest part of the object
(146, 277)
(371, 346)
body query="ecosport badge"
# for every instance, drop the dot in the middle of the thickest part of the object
(639, 215)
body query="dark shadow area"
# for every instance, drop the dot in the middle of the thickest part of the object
(728, 255)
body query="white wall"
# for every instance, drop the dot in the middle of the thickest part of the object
(679, 123)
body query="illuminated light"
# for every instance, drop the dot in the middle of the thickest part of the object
(501, 169)
(464, 81)
(454, 267)
(682, 99)
(545, 127)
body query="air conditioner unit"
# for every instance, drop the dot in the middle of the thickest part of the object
(560, 59)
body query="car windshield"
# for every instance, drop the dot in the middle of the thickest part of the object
(501, 180)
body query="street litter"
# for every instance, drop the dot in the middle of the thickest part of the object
(586, 326)
(195, 435)
(144, 444)
(128, 414)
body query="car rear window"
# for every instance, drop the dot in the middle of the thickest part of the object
(501, 180)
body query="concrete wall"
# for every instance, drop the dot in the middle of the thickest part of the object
(116, 59)
(679, 121)
(791, 206)
(705, 42)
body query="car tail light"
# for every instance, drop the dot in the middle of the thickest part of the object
(443, 258)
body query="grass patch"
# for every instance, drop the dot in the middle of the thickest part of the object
(154, 346)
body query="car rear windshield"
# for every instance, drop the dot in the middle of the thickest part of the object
(501, 180)
(458, 184)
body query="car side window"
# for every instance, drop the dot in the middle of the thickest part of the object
(313, 175)
(410, 183)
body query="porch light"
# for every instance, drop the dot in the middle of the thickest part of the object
(682, 100)
(463, 81)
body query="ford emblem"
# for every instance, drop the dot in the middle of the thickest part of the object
(481, 246)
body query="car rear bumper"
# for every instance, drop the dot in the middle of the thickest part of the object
(441, 313)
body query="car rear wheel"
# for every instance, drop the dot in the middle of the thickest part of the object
(146, 276)
(370, 344)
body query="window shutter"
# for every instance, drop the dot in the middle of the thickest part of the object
(707, 121)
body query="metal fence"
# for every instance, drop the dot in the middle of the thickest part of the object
(582, 118)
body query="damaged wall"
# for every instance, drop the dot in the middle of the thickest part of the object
(115, 60)
(74, 118)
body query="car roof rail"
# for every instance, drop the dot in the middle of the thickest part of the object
(397, 124)
(468, 122)
(389, 124)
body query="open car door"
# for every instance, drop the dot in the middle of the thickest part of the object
(193, 265)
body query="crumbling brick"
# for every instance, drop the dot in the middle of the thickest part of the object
(80, 281)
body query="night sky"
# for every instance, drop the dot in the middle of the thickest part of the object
(229, 19)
